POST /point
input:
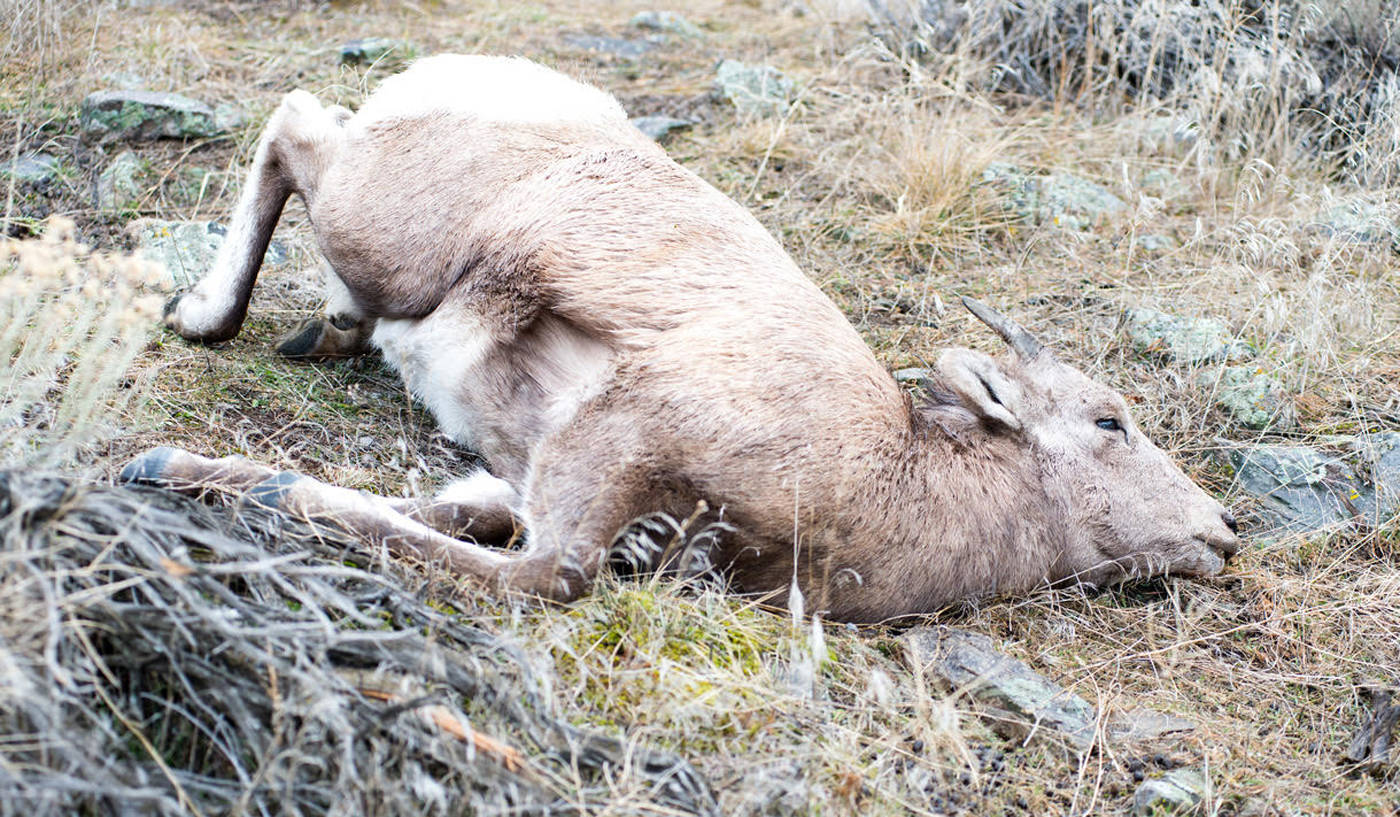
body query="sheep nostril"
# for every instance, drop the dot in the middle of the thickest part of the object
(1229, 520)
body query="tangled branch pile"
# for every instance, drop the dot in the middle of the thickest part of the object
(1253, 79)
(161, 657)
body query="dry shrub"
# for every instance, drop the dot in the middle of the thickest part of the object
(1257, 79)
(73, 322)
(161, 657)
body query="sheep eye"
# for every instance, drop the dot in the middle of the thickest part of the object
(1108, 424)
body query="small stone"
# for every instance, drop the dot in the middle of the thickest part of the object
(117, 187)
(1152, 243)
(1182, 340)
(143, 115)
(660, 128)
(1076, 203)
(1179, 790)
(1060, 199)
(917, 375)
(1020, 190)
(1163, 183)
(668, 21)
(367, 50)
(1173, 135)
(616, 46)
(1251, 397)
(778, 789)
(755, 90)
(1025, 701)
(1145, 726)
(187, 249)
(1360, 221)
(31, 168)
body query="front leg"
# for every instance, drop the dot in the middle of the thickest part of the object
(299, 142)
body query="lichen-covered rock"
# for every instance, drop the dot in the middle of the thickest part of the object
(31, 168)
(1060, 199)
(1163, 184)
(667, 21)
(1076, 203)
(1181, 339)
(1172, 135)
(660, 128)
(1251, 397)
(187, 249)
(117, 185)
(1178, 791)
(1301, 490)
(1361, 221)
(965, 660)
(143, 115)
(616, 46)
(756, 90)
(367, 50)
(1153, 243)
(1023, 701)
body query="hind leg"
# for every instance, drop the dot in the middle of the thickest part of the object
(300, 140)
(363, 515)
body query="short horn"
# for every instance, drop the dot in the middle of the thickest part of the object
(1025, 344)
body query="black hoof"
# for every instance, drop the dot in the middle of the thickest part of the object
(304, 342)
(149, 468)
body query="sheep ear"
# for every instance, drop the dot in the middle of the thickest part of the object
(982, 386)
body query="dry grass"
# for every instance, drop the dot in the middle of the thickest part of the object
(869, 181)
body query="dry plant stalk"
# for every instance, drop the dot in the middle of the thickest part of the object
(73, 321)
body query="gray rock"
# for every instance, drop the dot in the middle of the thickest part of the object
(1023, 703)
(1060, 199)
(1302, 490)
(187, 249)
(1026, 703)
(774, 790)
(1163, 183)
(1251, 397)
(117, 186)
(616, 46)
(755, 90)
(229, 117)
(1377, 462)
(917, 375)
(1152, 243)
(1359, 221)
(660, 128)
(1145, 726)
(1169, 134)
(366, 50)
(1179, 790)
(1182, 340)
(1069, 201)
(31, 168)
(140, 115)
(667, 21)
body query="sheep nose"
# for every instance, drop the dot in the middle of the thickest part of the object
(1229, 520)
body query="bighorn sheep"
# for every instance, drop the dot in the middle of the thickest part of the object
(617, 338)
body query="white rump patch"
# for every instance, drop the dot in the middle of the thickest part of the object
(501, 89)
